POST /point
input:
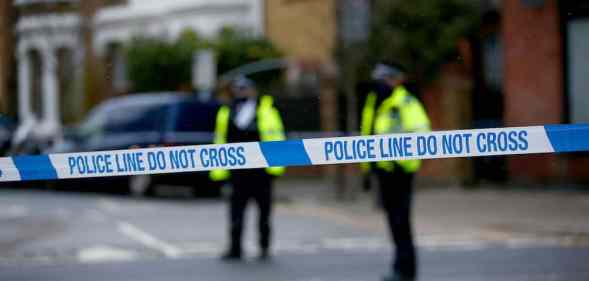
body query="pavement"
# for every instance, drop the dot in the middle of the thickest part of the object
(483, 234)
(492, 213)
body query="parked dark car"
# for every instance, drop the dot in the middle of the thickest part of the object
(139, 121)
(7, 128)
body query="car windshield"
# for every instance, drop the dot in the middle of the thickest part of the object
(95, 121)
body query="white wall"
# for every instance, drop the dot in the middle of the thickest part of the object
(169, 18)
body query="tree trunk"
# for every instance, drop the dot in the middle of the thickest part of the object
(7, 19)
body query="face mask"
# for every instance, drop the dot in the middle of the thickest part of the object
(382, 87)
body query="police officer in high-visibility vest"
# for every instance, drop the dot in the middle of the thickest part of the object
(390, 108)
(249, 118)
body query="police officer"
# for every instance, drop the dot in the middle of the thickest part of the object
(249, 118)
(390, 108)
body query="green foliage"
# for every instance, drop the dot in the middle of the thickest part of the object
(158, 65)
(235, 49)
(421, 34)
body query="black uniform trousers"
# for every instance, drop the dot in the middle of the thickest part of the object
(249, 184)
(396, 192)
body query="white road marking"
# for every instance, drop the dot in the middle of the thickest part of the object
(294, 247)
(148, 240)
(100, 254)
(208, 249)
(356, 243)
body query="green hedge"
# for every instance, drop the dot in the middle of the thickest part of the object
(158, 65)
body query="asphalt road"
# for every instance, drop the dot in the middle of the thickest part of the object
(68, 236)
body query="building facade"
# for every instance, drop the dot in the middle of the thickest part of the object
(546, 56)
(51, 46)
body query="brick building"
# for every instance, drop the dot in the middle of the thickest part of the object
(305, 29)
(545, 62)
(528, 67)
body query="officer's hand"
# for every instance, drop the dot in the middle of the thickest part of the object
(366, 183)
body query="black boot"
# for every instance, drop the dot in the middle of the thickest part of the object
(232, 255)
(397, 277)
(264, 254)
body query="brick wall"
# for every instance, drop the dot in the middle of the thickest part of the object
(448, 103)
(302, 28)
(533, 79)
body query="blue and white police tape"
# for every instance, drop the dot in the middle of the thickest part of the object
(320, 151)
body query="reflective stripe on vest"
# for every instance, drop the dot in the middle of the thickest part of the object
(367, 122)
(270, 128)
(401, 113)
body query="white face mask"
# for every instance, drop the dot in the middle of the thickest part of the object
(245, 114)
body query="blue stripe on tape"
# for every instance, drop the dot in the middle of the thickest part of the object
(568, 138)
(285, 153)
(36, 167)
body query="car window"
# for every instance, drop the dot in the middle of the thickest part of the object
(194, 116)
(95, 121)
(135, 119)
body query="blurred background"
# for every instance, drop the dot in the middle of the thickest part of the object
(83, 75)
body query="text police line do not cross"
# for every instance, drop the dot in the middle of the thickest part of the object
(175, 159)
(445, 145)
(431, 145)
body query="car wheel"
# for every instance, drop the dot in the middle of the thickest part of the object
(141, 185)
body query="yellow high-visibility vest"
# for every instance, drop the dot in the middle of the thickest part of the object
(270, 128)
(401, 113)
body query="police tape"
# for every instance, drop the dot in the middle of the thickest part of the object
(306, 152)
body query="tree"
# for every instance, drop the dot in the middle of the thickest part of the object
(158, 65)
(234, 49)
(7, 23)
(420, 34)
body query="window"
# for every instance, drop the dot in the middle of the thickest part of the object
(578, 68)
(135, 119)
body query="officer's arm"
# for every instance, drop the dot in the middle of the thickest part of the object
(279, 125)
